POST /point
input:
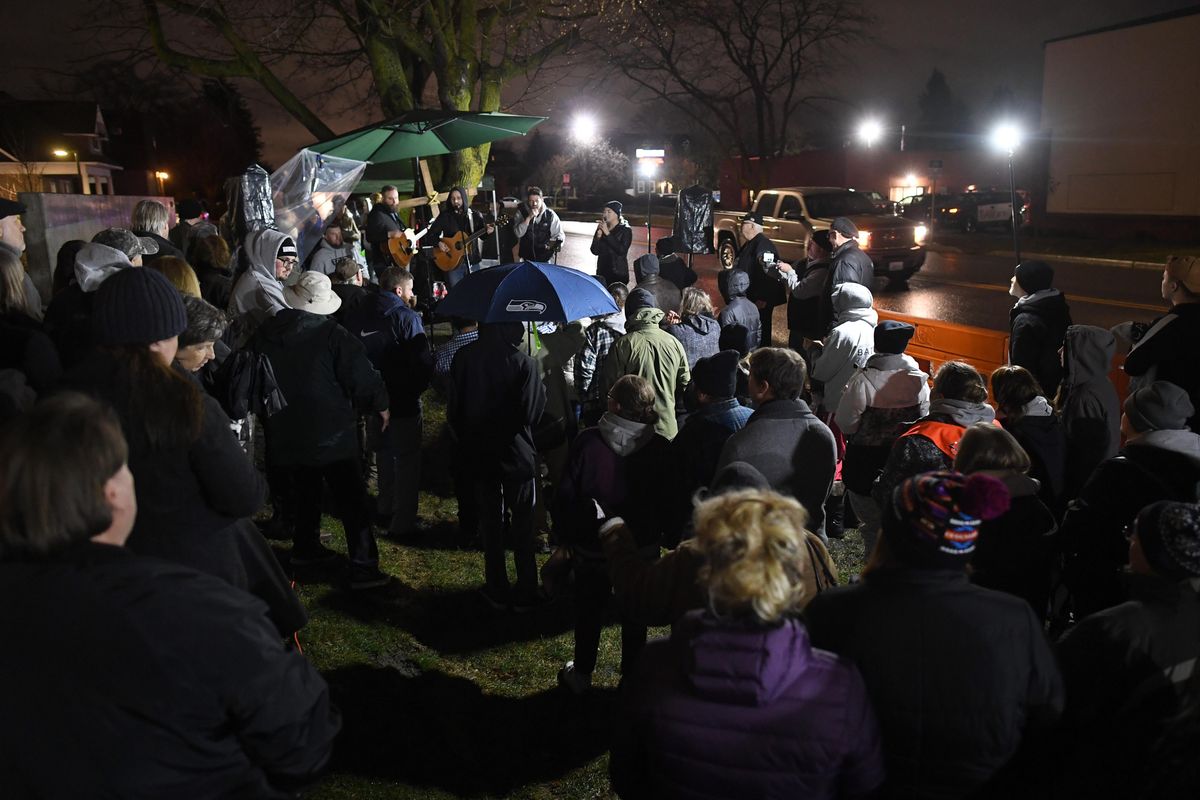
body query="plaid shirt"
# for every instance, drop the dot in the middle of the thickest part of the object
(598, 340)
(444, 355)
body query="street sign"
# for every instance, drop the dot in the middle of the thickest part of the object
(643, 153)
(566, 179)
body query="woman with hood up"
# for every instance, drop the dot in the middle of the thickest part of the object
(849, 344)
(614, 469)
(1088, 403)
(695, 326)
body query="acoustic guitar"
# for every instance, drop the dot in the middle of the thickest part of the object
(403, 247)
(458, 244)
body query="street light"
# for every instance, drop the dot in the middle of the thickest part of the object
(61, 153)
(1007, 137)
(870, 131)
(647, 170)
(161, 176)
(584, 129)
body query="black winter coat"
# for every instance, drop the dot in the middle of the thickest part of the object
(763, 286)
(328, 381)
(849, 264)
(738, 309)
(1088, 404)
(497, 398)
(1036, 330)
(1043, 439)
(165, 247)
(1015, 551)
(68, 322)
(957, 674)
(395, 341)
(1168, 351)
(132, 677)
(25, 347)
(612, 254)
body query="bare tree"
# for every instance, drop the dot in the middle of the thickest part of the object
(458, 54)
(739, 69)
(18, 143)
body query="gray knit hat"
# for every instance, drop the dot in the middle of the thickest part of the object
(137, 306)
(1161, 406)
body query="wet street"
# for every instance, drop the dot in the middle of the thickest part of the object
(953, 287)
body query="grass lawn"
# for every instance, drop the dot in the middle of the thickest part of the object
(445, 698)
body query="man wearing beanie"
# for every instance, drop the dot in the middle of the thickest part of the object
(885, 396)
(1167, 349)
(1138, 655)
(610, 245)
(667, 295)
(1038, 323)
(697, 448)
(959, 675)
(649, 351)
(268, 257)
(1160, 461)
(192, 225)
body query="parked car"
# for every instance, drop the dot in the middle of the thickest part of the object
(973, 211)
(917, 207)
(895, 245)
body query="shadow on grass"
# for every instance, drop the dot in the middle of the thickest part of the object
(436, 730)
(452, 622)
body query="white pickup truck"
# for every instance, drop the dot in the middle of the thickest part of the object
(895, 245)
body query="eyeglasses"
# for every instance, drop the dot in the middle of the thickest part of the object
(289, 262)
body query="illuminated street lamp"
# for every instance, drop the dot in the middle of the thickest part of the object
(870, 131)
(584, 129)
(61, 153)
(162, 177)
(1007, 137)
(647, 167)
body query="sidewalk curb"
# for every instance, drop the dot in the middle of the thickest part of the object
(1154, 266)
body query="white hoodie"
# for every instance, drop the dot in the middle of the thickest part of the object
(850, 344)
(96, 263)
(889, 381)
(257, 290)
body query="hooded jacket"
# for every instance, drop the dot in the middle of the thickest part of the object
(256, 291)
(957, 674)
(1040, 432)
(739, 310)
(880, 401)
(649, 351)
(1037, 323)
(1091, 412)
(68, 320)
(849, 345)
(1157, 465)
(730, 708)
(1015, 551)
(1168, 352)
(626, 467)
(328, 381)
(497, 398)
(612, 253)
(700, 336)
(793, 450)
(450, 222)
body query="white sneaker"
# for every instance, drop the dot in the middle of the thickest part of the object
(573, 681)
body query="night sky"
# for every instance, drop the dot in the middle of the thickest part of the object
(979, 45)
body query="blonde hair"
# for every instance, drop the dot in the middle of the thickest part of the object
(695, 302)
(12, 284)
(178, 272)
(635, 397)
(755, 552)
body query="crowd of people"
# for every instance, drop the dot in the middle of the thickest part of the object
(1027, 622)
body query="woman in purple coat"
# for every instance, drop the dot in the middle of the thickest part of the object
(737, 703)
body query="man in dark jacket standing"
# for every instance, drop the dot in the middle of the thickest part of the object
(1038, 323)
(383, 223)
(848, 263)
(394, 337)
(757, 259)
(1167, 349)
(151, 220)
(783, 439)
(740, 311)
(666, 294)
(497, 398)
(328, 381)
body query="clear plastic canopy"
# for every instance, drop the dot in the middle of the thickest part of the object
(307, 190)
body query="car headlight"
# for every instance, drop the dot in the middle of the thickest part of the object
(952, 211)
(919, 234)
(864, 239)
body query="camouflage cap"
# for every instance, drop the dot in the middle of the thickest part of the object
(127, 242)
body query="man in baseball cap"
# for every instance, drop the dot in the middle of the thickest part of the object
(128, 242)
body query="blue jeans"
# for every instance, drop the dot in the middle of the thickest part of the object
(461, 271)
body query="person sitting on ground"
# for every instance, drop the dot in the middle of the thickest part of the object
(667, 296)
(915, 627)
(1127, 669)
(179, 273)
(624, 467)
(1015, 551)
(1037, 323)
(328, 381)
(958, 400)
(783, 438)
(847, 347)
(740, 311)
(738, 702)
(151, 220)
(649, 351)
(598, 339)
(1165, 350)
(1024, 412)
(888, 395)
(695, 326)
(671, 265)
(1160, 461)
(809, 311)
(212, 261)
(174, 677)
(610, 245)
(1088, 404)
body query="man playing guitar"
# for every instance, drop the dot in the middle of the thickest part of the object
(457, 216)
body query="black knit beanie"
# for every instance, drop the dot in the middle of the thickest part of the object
(137, 306)
(1033, 276)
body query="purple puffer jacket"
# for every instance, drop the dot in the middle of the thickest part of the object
(728, 709)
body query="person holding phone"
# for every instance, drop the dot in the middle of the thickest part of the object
(758, 259)
(610, 245)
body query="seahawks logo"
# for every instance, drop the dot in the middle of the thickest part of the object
(524, 306)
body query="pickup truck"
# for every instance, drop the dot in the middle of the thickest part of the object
(895, 245)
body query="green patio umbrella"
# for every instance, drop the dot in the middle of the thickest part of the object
(419, 134)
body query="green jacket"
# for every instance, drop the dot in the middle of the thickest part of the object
(652, 353)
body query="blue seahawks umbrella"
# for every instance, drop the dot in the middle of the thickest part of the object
(529, 291)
